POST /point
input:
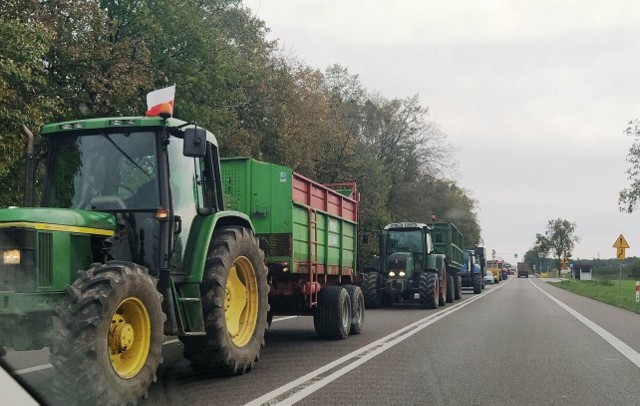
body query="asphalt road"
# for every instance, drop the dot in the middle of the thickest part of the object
(512, 345)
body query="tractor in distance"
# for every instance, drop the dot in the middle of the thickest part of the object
(408, 268)
(472, 271)
(130, 242)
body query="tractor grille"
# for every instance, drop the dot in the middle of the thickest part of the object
(275, 245)
(19, 277)
(45, 256)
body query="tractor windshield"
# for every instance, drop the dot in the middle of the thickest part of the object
(405, 241)
(102, 171)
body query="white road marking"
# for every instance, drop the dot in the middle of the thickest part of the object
(284, 318)
(33, 369)
(615, 342)
(304, 386)
(168, 342)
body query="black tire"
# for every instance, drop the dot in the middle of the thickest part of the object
(85, 329)
(332, 318)
(458, 291)
(429, 290)
(269, 319)
(477, 283)
(372, 298)
(450, 288)
(217, 352)
(357, 308)
(442, 274)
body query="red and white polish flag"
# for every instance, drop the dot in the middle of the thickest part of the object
(159, 97)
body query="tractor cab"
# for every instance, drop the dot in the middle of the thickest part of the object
(405, 249)
(136, 170)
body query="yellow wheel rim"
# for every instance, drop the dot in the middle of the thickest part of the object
(241, 301)
(129, 337)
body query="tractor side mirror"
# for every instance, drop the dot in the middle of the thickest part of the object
(195, 142)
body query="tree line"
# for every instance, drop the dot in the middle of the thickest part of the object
(64, 59)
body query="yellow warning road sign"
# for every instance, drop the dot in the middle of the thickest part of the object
(620, 253)
(621, 242)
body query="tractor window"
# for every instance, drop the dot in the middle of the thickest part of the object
(186, 194)
(208, 177)
(102, 171)
(404, 240)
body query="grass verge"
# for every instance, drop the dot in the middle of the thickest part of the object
(606, 291)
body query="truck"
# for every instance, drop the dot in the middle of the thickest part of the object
(472, 271)
(308, 232)
(493, 266)
(131, 241)
(523, 269)
(410, 267)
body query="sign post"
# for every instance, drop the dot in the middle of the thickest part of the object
(637, 292)
(620, 245)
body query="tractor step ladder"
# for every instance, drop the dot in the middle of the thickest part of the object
(197, 325)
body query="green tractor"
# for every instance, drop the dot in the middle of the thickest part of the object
(130, 242)
(408, 268)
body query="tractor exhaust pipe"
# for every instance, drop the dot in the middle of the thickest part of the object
(30, 168)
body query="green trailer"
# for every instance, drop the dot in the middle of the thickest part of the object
(308, 232)
(448, 240)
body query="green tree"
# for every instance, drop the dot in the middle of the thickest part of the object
(629, 197)
(559, 239)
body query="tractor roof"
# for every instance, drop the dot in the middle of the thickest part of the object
(113, 123)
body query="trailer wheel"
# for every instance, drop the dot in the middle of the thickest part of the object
(450, 288)
(109, 335)
(428, 289)
(458, 291)
(234, 295)
(357, 308)
(477, 283)
(332, 318)
(441, 268)
(372, 298)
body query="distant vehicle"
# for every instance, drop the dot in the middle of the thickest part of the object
(523, 269)
(488, 278)
(494, 267)
(471, 272)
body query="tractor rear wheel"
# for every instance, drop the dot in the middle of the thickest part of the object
(458, 284)
(477, 283)
(357, 308)
(428, 288)
(109, 335)
(450, 288)
(234, 295)
(372, 298)
(332, 318)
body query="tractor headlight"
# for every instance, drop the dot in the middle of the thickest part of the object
(401, 273)
(11, 257)
(392, 273)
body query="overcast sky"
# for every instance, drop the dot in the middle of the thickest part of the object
(533, 95)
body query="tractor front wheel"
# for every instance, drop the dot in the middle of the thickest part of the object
(429, 292)
(108, 342)
(478, 285)
(372, 298)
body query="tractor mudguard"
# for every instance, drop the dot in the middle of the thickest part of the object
(200, 235)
